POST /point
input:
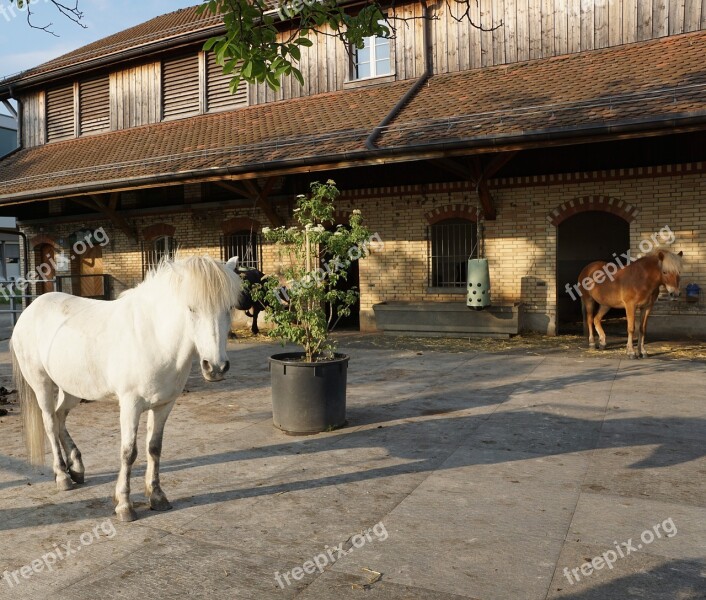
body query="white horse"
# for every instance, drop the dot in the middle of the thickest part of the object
(137, 349)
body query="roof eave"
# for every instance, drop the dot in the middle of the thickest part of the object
(363, 157)
(8, 89)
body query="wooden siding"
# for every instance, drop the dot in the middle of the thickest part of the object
(180, 81)
(521, 30)
(94, 105)
(135, 96)
(529, 29)
(218, 96)
(60, 111)
(33, 131)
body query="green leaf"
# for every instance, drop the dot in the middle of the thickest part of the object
(302, 41)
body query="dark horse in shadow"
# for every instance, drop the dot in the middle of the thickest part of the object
(252, 308)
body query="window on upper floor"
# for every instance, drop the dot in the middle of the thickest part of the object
(373, 60)
(94, 105)
(60, 113)
(180, 87)
(218, 96)
(451, 243)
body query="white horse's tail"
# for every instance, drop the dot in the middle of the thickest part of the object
(32, 421)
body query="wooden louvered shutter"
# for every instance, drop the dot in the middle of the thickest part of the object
(218, 96)
(180, 82)
(60, 113)
(94, 105)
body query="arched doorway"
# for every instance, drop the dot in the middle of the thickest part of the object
(86, 265)
(44, 254)
(581, 239)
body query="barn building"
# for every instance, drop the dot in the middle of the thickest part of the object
(560, 133)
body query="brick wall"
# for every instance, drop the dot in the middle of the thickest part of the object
(520, 243)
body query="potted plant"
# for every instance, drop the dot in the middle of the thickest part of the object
(303, 303)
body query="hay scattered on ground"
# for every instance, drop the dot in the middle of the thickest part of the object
(533, 344)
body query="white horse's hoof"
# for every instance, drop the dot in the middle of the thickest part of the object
(64, 484)
(76, 477)
(160, 503)
(632, 356)
(126, 514)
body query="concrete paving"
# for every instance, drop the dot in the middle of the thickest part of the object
(476, 475)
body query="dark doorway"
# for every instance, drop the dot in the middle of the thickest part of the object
(351, 321)
(581, 239)
(44, 256)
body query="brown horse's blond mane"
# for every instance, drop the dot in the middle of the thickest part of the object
(671, 263)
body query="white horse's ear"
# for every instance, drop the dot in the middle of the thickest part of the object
(232, 263)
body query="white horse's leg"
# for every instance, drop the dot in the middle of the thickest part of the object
(602, 310)
(47, 403)
(156, 419)
(73, 454)
(129, 421)
(630, 313)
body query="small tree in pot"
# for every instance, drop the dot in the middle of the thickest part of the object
(308, 388)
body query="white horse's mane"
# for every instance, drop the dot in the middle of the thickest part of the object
(671, 263)
(194, 281)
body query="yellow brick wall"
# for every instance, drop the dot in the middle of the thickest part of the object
(520, 243)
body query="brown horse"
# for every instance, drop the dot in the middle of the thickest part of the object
(634, 286)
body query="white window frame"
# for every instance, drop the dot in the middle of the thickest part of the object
(371, 43)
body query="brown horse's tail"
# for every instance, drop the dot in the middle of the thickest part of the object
(32, 421)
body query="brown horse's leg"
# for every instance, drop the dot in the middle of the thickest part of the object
(602, 310)
(643, 331)
(589, 305)
(630, 310)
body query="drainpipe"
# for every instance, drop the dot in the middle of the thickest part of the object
(411, 92)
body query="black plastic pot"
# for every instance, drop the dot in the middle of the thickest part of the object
(308, 397)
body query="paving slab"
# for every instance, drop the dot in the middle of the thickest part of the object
(475, 474)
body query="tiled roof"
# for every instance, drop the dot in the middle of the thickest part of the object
(641, 82)
(639, 85)
(324, 125)
(171, 25)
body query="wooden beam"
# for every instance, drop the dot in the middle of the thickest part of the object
(236, 189)
(10, 108)
(486, 200)
(454, 167)
(260, 195)
(497, 162)
(97, 203)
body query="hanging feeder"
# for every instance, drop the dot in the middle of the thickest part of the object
(478, 284)
(478, 273)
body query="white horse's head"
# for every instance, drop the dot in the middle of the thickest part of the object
(207, 291)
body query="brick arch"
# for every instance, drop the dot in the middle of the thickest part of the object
(240, 224)
(43, 238)
(451, 211)
(158, 230)
(592, 203)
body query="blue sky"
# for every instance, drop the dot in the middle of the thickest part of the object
(22, 47)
